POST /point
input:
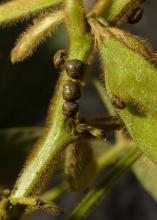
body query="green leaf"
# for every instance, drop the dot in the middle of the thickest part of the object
(42, 27)
(131, 74)
(16, 9)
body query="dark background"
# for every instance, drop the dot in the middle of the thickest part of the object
(25, 92)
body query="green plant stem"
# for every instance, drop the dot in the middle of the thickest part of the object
(95, 195)
(108, 124)
(54, 193)
(107, 158)
(16, 9)
(50, 196)
(80, 40)
(59, 131)
(111, 155)
(104, 97)
(114, 153)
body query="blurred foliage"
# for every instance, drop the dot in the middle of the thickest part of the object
(25, 91)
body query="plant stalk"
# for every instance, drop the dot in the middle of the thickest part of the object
(59, 129)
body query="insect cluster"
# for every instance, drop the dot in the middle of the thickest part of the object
(71, 88)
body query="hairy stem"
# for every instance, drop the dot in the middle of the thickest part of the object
(59, 131)
(50, 196)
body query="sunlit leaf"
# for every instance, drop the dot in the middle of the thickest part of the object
(131, 75)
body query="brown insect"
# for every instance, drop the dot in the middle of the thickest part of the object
(59, 58)
(117, 102)
(74, 68)
(136, 16)
(71, 91)
(70, 108)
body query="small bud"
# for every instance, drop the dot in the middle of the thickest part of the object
(80, 165)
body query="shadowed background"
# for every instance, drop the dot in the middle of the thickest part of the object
(25, 92)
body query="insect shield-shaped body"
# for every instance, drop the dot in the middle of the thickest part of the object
(74, 68)
(70, 109)
(117, 102)
(71, 88)
(80, 165)
(130, 71)
(71, 91)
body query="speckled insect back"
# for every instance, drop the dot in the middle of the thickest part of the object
(80, 165)
(74, 68)
(117, 102)
(70, 109)
(71, 89)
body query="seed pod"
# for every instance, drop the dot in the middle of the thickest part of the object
(71, 91)
(74, 68)
(70, 108)
(59, 58)
(80, 165)
(136, 16)
(117, 102)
